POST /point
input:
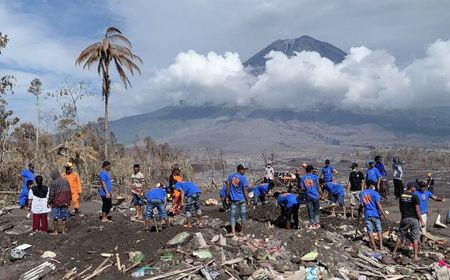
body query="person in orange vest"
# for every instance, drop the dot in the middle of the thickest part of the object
(75, 185)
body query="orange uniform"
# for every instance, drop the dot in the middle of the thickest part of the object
(176, 196)
(75, 186)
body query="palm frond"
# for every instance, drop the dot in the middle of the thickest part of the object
(121, 38)
(111, 31)
(122, 74)
(87, 52)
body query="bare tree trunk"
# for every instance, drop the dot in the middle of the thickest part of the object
(105, 125)
(37, 127)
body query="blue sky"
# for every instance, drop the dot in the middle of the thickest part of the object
(47, 36)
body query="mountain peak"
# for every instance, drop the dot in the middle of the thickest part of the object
(290, 46)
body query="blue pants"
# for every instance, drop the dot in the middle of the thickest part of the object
(236, 206)
(158, 204)
(373, 224)
(313, 206)
(193, 201)
(137, 200)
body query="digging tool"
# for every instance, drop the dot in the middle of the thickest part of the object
(357, 225)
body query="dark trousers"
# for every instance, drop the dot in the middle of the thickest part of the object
(398, 187)
(40, 222)
(107, 205)
(291, 213)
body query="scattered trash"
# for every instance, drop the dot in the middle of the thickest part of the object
(106, 255)
(179, 239)
(311, 256)
(18, 252)
(211, 202)
(374, 255)
(141, 271)
(438, 222)
(202, 254)
(136, 256)
(48, 254)
(312, 273)
(167, 256)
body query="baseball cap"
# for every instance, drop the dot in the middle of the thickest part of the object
(371, 161)
(241, 166)
(411, 185)
(354, 165)
(68, 164)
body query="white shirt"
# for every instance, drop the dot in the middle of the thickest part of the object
(269, 173)
(38, 205)
(137, 181)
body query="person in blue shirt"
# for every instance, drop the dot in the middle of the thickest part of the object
(370, 203)
(373, 176)
(424, 195)
(237, 197)
(26, 175)
(156, 198)
(289, 204)
(223, 196)
(336, 195)
(105, 190)
(190, 197)
(384, 187)
(309, 183)
(261, 191)
(328, 171)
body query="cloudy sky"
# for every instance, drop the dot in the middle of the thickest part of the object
(399, 52)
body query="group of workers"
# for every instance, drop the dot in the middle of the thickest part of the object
(365, 192)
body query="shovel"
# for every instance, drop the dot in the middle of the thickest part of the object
(357, 225)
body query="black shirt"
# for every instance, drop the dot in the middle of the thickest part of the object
(356, 178)
(408, 202)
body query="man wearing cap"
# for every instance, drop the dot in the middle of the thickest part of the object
(354, 187)
(268, 173)
(237, 196)
(105, 190)
(411, 219)
(384, 188)
(26, 175)
(398, 177)
(313, 192)
(328, 171)
(75, 185)
(373, 175)
(424, 195)
(137, 191)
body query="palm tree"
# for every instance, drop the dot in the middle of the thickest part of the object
(116, 48)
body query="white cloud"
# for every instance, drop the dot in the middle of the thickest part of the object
(365, 80)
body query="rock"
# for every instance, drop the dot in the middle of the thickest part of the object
(260, 254)
(297, 260)
(202, 254)
(388, 260)
(245, 270)
(48, 254)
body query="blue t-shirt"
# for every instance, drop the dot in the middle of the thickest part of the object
(261, 190)
(423, 198)
(380, 167)
(368, 199)
(237, 184)
(336, 189)
(223, 192)
(189, 188)
(327, 172)
(23, 196)
(309, 182)
(104, 177)
(156, 193)
(288, 200)
(373, 174)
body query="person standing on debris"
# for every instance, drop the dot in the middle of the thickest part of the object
(373, 176)
(26, 175)
(237, 196)
(289, 204)
(75, 185)
(424, 195)
(268, 173)
(336, 195)
(354, 187)
(384, 188)
(137, 191)
(105, 190)
(174, 193)
(156, 198)
(370, 202)
(411, 219)
(38, 203)
(191, 194)
(310, 184)
(261, 191)
(328, 171)
(397, 171)
(430, 182)
(59, 199)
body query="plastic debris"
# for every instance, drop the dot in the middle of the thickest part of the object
(311, 256)
(179, 239)
(311, 273)
(167, 256)
(374, 255)
(136, 256)
(48, 254)
(211, 202)
(18, 252)
(141, 271)
(202, 254)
